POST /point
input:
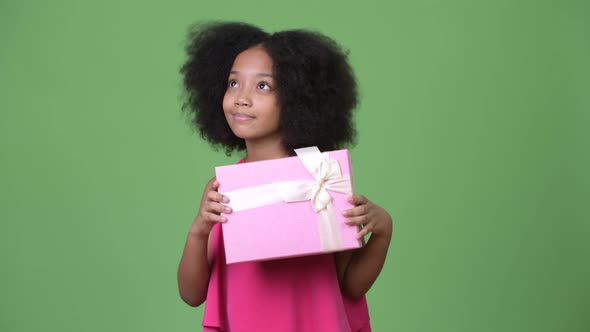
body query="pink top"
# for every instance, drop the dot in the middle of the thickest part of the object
(288, 295)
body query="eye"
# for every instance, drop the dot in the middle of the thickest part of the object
(263, 86)
(232, 84)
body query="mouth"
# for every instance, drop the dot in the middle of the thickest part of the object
(242, 117)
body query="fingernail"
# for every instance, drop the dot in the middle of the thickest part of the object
(225, 199)
(227, 209)
(347, 212)
(223, 219)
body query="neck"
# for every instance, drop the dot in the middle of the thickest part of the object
(265, 150)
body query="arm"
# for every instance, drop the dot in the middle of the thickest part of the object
(194, 268)
(357, 270)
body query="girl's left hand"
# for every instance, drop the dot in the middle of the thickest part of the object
(371, 216)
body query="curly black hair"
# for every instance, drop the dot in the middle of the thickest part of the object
(316, 87)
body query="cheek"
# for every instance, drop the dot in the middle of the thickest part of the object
(226, 103)
(277, 114)
(271, 111)
(277, 111)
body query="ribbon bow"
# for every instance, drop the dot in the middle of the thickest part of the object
(327, 176)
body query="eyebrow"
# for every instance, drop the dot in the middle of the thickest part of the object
(259, 74)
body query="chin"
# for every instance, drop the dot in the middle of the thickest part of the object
(242, 134)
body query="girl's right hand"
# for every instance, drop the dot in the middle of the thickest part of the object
(210, 210)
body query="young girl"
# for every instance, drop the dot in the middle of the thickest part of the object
(269, 94)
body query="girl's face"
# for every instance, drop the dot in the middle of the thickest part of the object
(250, 103)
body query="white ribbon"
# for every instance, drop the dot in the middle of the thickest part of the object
(327, 176)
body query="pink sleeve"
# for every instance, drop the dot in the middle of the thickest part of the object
(358, 314)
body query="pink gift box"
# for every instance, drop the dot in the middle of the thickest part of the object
(283, 229)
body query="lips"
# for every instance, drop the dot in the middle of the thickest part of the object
(242, 117)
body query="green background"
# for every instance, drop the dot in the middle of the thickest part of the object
(473, 133)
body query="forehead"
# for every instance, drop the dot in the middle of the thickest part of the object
(254, 59)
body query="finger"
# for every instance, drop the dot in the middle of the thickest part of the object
(356, 211)
(362, 220)
(358, 199)
(365, 231)
(217, 208)
(217, 197)
(215, 217)
(212, 184)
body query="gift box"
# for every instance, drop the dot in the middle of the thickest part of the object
(288, 207)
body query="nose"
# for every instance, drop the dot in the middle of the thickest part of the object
(243, 99)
